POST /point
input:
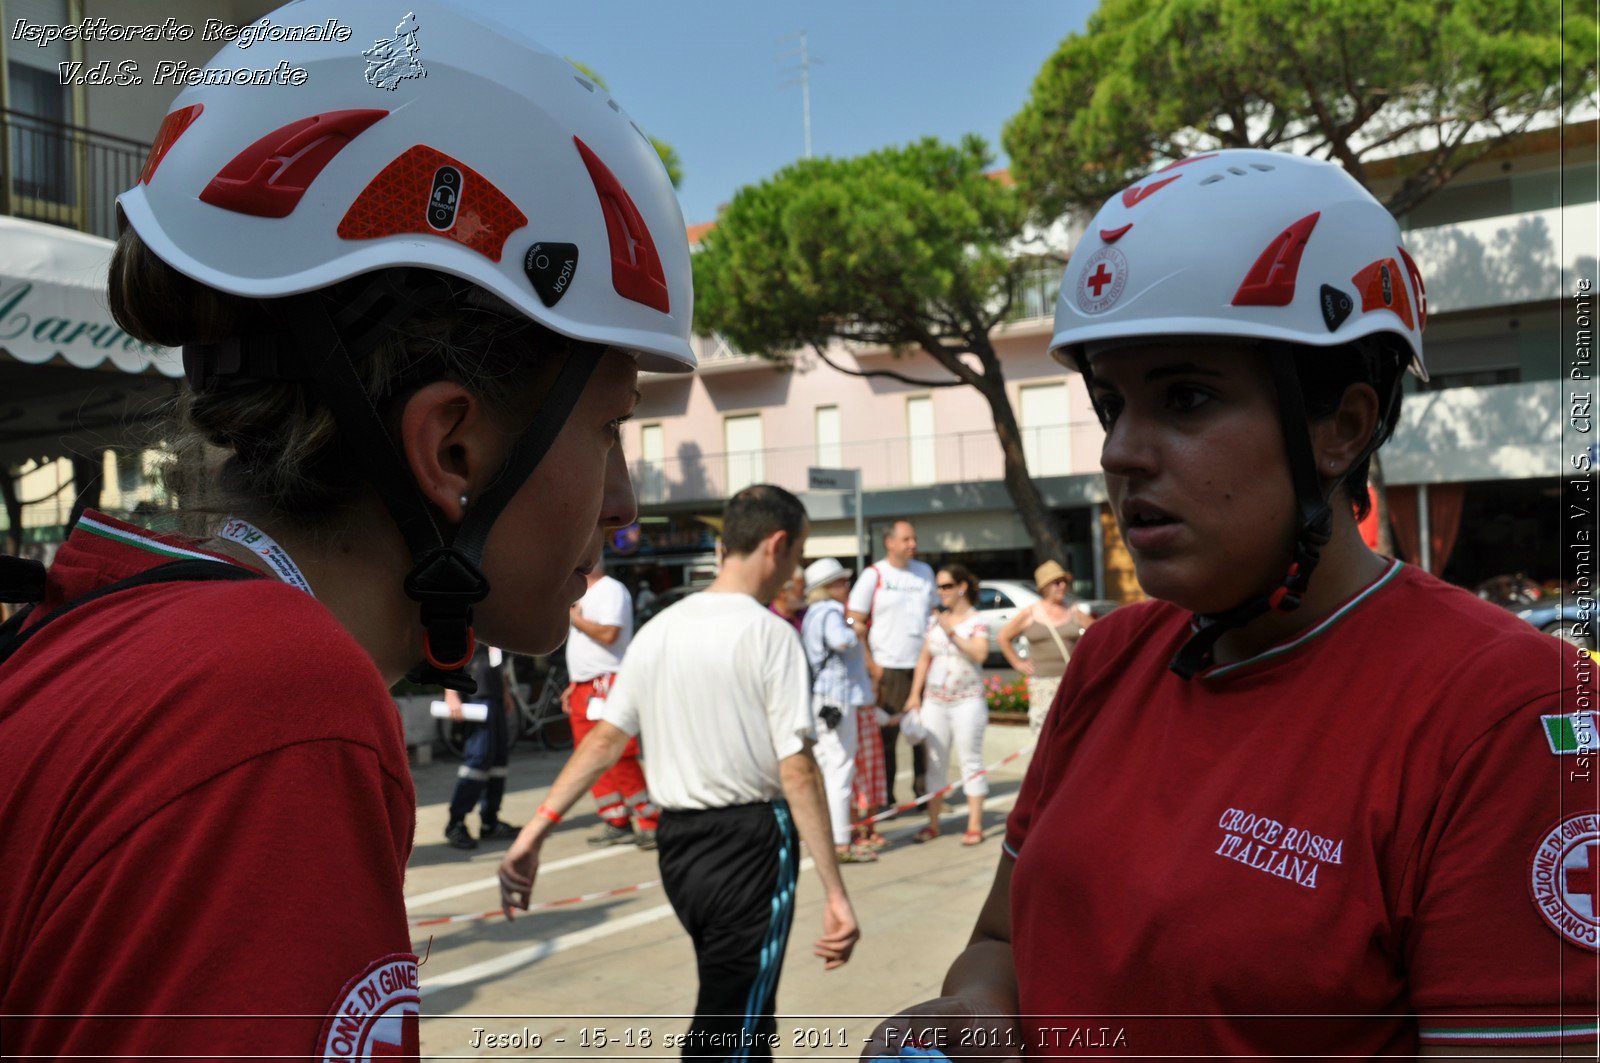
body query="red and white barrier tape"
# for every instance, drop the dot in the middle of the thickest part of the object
(541, 906)
(602, 894)
(925, 798)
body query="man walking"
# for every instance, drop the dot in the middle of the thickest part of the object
(717, 688)
(893, 598)
(602, 627)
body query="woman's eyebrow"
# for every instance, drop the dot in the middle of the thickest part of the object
(1162, 372)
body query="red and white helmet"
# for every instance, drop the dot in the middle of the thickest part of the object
(1242, 243)
(424, 135)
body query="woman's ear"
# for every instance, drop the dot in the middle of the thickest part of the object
(1338, 439)
(445, 434)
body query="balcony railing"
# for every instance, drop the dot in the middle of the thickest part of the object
(1036, 295)
(65, 174)
(957, 457)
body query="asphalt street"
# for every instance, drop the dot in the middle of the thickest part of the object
(613, 977)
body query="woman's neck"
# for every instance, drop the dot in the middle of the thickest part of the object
(358, 574)
(1346, 567)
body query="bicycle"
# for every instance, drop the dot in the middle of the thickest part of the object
(540, 717)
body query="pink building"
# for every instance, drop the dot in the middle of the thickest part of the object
(927, 453)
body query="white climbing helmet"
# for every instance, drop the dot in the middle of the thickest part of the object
(417, 133)
(1241, 243)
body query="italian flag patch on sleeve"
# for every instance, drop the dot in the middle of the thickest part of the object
(1572, 733)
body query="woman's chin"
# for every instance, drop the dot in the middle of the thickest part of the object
(532, 637)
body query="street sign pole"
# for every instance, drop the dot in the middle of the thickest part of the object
(843, 480)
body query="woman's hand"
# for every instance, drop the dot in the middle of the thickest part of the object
(952, 1025)
(913, 701)
(1023, 666)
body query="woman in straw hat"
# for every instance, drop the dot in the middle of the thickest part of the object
(1052, 627)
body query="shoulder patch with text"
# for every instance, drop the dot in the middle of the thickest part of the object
(1565, 879)
(375, 1014)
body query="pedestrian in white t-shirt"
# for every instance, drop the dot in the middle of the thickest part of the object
(718, 690)
(602, 628)
(893, 599)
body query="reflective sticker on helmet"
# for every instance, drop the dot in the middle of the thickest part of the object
(1102, 280)
(268, 178)
(1421, 290)
(1132, 197)
(635, 265)
(173, 126)
(550, 267)
(402, 199)
(1336, 306)
(1380, 288)
(1185, 162)
(1270, 281)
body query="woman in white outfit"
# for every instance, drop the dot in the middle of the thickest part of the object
(840, 688)
(947, 691)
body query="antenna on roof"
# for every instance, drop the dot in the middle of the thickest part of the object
(804, 81)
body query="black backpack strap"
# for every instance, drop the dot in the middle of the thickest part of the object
(12, 637)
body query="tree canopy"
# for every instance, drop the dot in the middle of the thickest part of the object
(905, 247)
(1444, 81)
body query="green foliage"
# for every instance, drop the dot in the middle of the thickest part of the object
(907, 246)
(669, 154)
(1154, 80)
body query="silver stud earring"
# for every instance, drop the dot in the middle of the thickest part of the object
(463, 501)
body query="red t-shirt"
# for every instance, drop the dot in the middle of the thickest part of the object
(1356, 842)
(207, 812)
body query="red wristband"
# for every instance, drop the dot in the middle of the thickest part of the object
(548, 813)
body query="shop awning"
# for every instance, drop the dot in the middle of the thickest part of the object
(70, 379)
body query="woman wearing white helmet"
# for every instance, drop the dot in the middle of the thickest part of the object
(1304, 800)
(413, 288)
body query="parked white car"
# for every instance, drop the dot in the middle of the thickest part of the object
(998, 601)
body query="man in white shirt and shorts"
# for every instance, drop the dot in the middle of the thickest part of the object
(893, 598)
(602, 627)
(718, 690)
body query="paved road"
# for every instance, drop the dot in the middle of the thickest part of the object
(625, 965)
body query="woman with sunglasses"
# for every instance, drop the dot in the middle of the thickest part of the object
(947, 693)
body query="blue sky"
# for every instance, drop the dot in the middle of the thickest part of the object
(707, 75)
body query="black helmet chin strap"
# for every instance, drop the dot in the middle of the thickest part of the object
(1314, 526)
(446, 578)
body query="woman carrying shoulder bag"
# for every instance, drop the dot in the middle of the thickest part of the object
(1052, 628)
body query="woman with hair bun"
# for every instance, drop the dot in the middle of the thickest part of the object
(413, 294)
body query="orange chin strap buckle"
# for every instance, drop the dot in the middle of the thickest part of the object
(450, 666)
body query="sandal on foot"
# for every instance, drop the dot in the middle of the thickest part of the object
(874, 842)
(855, 855)
(926, 834)
(972, 837)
